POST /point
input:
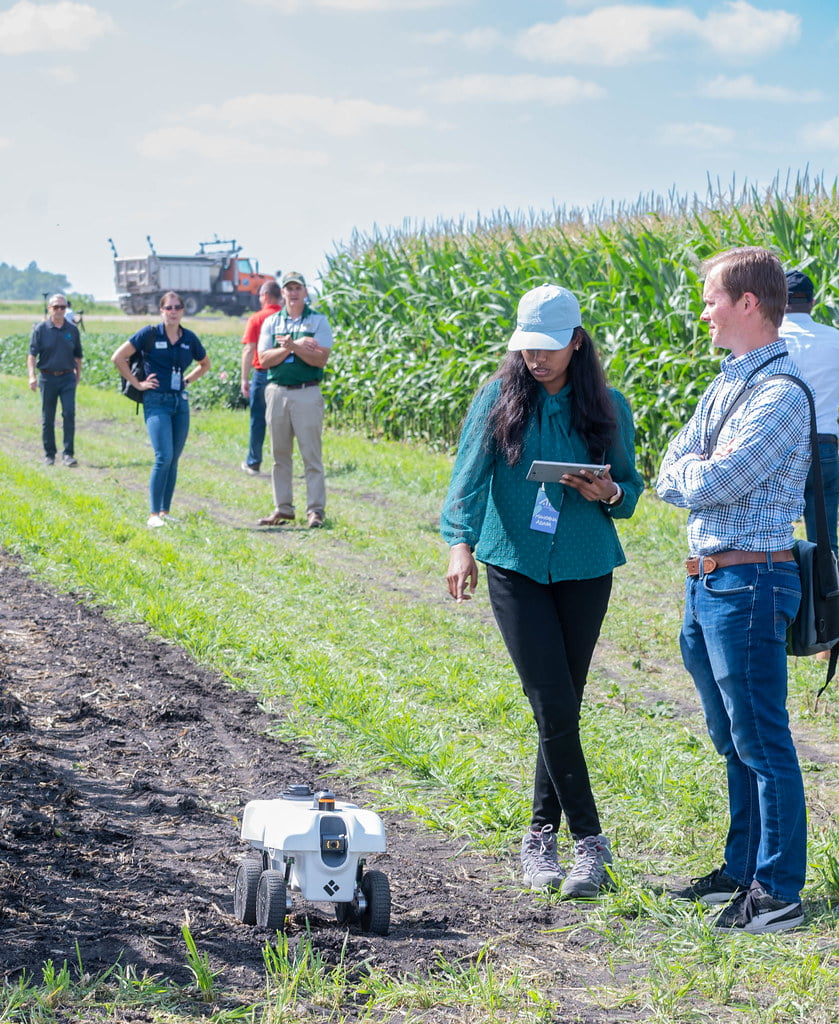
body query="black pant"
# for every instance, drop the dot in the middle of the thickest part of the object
(550, 630)
(54, 389)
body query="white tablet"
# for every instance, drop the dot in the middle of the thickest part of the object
(553, 472)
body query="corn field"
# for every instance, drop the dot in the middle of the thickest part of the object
(422, 315)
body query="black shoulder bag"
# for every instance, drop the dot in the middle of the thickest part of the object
(816, 626)
(137, 365)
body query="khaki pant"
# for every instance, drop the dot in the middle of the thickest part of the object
(290, 413)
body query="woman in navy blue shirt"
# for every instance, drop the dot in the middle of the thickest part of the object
(168, 350)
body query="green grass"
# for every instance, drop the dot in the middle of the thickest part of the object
(415, 696)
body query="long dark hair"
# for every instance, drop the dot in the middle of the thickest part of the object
(592, 410)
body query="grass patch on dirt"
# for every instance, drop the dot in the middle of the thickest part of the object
(347, 635)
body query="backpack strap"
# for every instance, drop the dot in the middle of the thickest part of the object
(825, 561)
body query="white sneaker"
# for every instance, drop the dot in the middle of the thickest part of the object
(155, 520)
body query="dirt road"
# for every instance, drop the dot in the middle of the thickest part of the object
(123, 768)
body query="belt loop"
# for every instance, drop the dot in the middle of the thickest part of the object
(769, 564)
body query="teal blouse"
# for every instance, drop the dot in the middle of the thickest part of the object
(489, 505)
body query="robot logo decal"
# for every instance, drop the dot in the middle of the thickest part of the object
(331, 887)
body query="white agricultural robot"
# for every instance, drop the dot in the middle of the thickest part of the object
(315, 845)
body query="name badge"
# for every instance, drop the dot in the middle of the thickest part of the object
(545, 517)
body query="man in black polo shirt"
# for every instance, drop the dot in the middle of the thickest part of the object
(55, 350)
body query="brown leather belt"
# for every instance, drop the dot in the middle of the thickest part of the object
(720, 559)
(55, 373)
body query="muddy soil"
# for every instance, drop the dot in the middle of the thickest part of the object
(123, 769)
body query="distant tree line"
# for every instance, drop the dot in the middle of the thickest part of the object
(31, 283)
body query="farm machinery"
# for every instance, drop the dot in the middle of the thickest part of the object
(215, 276)
(314, 845)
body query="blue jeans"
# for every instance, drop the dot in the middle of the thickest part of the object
(734, 645)
(167, 421)
(53, 389)
(829, 458)
(259, 378)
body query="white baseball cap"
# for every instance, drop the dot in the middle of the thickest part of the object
(547, 318)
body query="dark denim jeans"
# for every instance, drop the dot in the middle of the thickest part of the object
(53, 390)
(167, 421)
(550, 630)
(829, 458)
(256, 441)
(734, 645)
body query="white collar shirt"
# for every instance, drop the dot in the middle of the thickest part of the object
(814, 348)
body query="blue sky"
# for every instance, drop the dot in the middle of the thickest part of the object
(286, 124)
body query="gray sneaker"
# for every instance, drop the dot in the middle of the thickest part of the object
(589, 875)
(538, 858)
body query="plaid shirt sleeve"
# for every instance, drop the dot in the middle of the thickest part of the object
(757, 440)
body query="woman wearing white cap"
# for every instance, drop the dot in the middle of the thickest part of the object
(549, 550)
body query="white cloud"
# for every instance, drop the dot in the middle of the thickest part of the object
(443, 168)
(744, 87)
(483, 39)
(36, 28)
(697, 135)
(361, 6)
(740, 30)
(621, 33)
(173, 142)
(609, 35)
(301, 112)
(824, 134)
(278, 116)
(475, 39)
(515, 89)
(438, 38)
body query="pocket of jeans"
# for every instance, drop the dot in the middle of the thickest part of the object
(726, 583)
(786, 608)
(786, 600)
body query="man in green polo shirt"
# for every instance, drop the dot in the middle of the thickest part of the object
(294, 348)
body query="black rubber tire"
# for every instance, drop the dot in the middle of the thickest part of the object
(376, 889)
(244, 890)
(271, 901)
(192, 305)
(345, 913)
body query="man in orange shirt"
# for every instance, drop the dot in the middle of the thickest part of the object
(254, 376)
